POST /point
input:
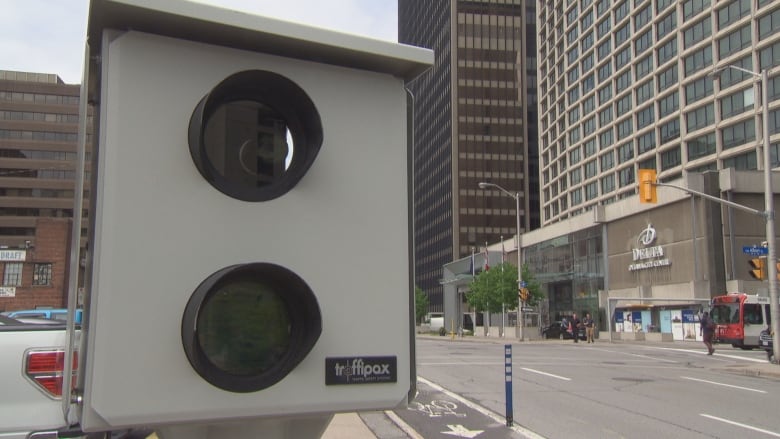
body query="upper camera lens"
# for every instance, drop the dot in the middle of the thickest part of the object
(255, 135)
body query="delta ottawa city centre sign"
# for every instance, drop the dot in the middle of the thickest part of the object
(646, 255)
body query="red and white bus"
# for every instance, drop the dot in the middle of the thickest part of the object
(740, 318)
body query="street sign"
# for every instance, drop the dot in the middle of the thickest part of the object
(755, 250)
(527, 309)
(523, 284)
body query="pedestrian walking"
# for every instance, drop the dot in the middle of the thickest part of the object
(576, 324)
(707, 330)
(589, 327)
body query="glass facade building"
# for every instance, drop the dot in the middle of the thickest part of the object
(475, 121)
(626, 85)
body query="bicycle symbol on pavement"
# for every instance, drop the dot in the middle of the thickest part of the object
(437, 409)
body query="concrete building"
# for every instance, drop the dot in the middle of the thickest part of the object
(627, 84)
(39, 120)
(475, 121)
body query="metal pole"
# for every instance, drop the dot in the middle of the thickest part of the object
(769, 206)
(520, 323)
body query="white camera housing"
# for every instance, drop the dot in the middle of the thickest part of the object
(341, 225)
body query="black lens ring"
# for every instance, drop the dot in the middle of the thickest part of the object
(284, 97)
(303, 311)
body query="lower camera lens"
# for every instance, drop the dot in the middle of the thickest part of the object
(247, 326)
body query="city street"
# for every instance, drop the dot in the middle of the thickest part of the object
(604, 390)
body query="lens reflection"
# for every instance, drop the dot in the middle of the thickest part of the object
(244, 328)
(249, 143)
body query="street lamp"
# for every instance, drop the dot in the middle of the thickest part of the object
(769, 200)
(520, 323)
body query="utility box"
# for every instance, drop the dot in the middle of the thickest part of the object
(250, 240)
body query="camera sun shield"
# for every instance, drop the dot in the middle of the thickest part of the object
(250, 242)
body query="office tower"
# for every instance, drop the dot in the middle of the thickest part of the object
(626, 85)
(39, 119)
(475, 121)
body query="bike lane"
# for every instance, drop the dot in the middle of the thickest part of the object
(434, 414)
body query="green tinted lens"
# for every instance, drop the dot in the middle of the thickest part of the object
(244, 328)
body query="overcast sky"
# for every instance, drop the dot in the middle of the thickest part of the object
(47, 36)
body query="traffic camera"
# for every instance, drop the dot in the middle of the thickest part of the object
(250, 221)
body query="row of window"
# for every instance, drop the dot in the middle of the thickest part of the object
(12, 274)
(39, 117)
(47, 136)
(38, 98)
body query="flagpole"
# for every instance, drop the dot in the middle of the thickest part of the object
(503, 309)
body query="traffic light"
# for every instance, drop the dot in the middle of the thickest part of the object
(647, 186)
(242, 167)
(757, 268)
(524, 294)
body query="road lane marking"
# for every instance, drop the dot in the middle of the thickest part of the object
(478, 408)
(406, 428)
(701, 352)
(724, 385)
(738, 424)
(546, 374)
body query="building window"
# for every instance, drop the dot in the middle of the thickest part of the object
(588, 105)
(605, 94)
(644, 117)
(604, 27)
(643, 17)
(622, 34)
(733, 12)
(590, 147)
(644, 92)
(667, 52)
(607, 161)
(736, 103)
(608, 184)
(590, 169)
(605, 116)
(42, 274)
(626, 152)
(701, 146)
(12, 274)
(626, 176)
(644, 66)
(745, 161)
(698, 32)
(624, 104)
(591, 191)
(768, 56)
(605, 139)
(699, 118)
(624, 128)
(587, 63)
(769, 24)
(734, 42)
(670, 131)
(575, 176)
(698, 60)
(646, 142)
(667, 78)
(698, 89)
(670, 158)
(729, 77)
(605, 49)
(693, 7)
(668, 105)
(621, 11)
(739, 134)
(576, 197)
(643, 42)
(666, 25)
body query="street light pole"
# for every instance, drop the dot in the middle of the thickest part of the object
(769, 204)
(520, 321)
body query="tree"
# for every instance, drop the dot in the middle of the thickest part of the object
(420, 304)
(496, 290)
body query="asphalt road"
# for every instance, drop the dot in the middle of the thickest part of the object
(601, 390)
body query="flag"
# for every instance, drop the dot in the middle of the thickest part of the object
(487, 266)
(503, 251)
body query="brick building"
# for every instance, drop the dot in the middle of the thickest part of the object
(35, 274)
